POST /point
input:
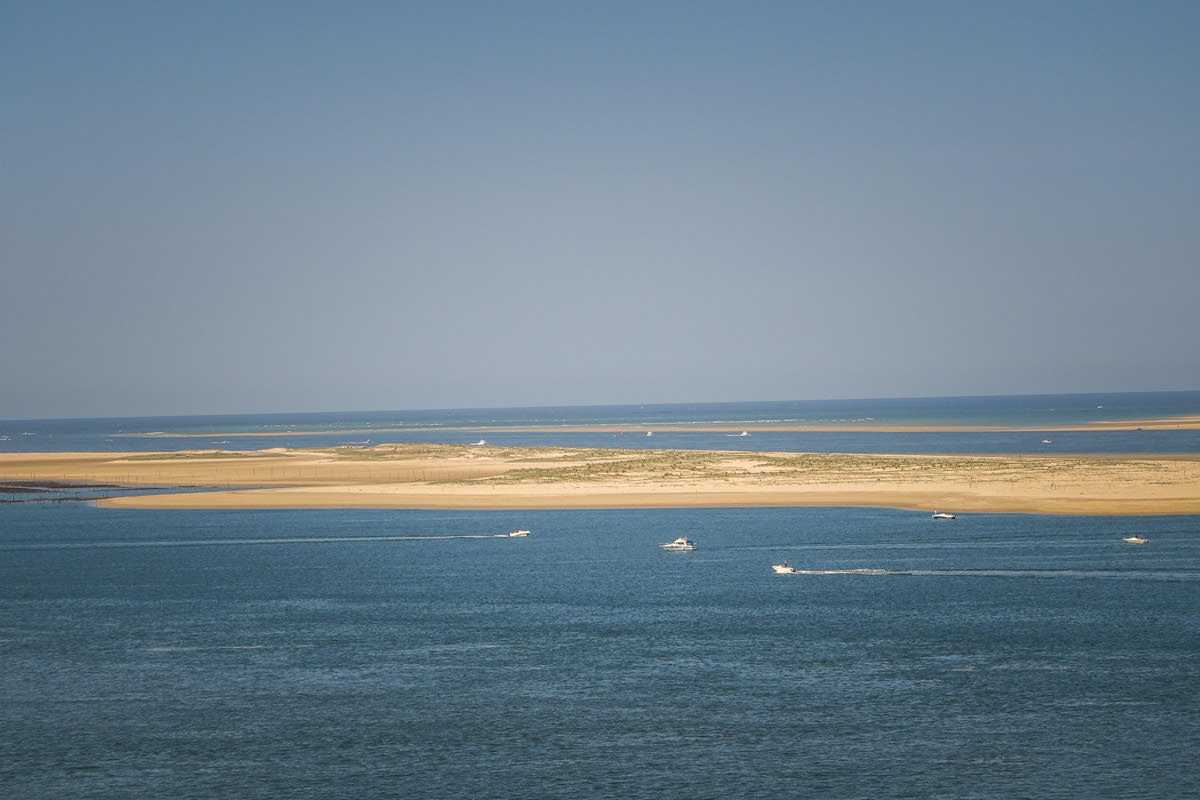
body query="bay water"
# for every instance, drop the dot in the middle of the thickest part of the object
(421, 654)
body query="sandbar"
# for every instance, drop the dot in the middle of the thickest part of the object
(1185, 422)
(473, 477)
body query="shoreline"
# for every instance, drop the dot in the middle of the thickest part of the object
(1187, 422)
(475, 477)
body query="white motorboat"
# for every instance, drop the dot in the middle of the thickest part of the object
(942, 515)
(1135, 540)
(784, 569)
(517, 533)
(682, 543)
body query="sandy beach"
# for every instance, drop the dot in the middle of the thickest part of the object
(450, 476)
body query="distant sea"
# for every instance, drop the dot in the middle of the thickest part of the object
(305, 654)
(1025, 417)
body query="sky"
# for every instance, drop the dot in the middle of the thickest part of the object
(252, 207)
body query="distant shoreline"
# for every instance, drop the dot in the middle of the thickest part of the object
(482, 477)
(1188, 422)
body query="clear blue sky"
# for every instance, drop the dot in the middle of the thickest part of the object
(250, 207)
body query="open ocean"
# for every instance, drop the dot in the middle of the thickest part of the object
(416, 654)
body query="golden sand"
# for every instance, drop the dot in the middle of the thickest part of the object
(450, 476)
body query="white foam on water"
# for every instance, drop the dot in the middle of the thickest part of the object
(1178, 575)
(286, 540)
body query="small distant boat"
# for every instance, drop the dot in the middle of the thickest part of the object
(1135, 540)
(735, 435)
(942, 515)
(480, 443)
(517, 533)
(784, 569)
(649, 433)
(680, 544)
(1046, 441)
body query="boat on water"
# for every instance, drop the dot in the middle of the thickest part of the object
(1135, 540)
(784, 569)
(942, 515)
(682, 543)
(519, 532)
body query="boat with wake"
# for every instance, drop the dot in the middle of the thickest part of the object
(942, 515)
(681, 544)
(1135, 540)
(787, 569)
(518, 533)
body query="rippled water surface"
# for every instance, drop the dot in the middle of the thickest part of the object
(307, 654)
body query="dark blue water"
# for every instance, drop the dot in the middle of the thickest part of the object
(1026, 415)
(411, 654)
